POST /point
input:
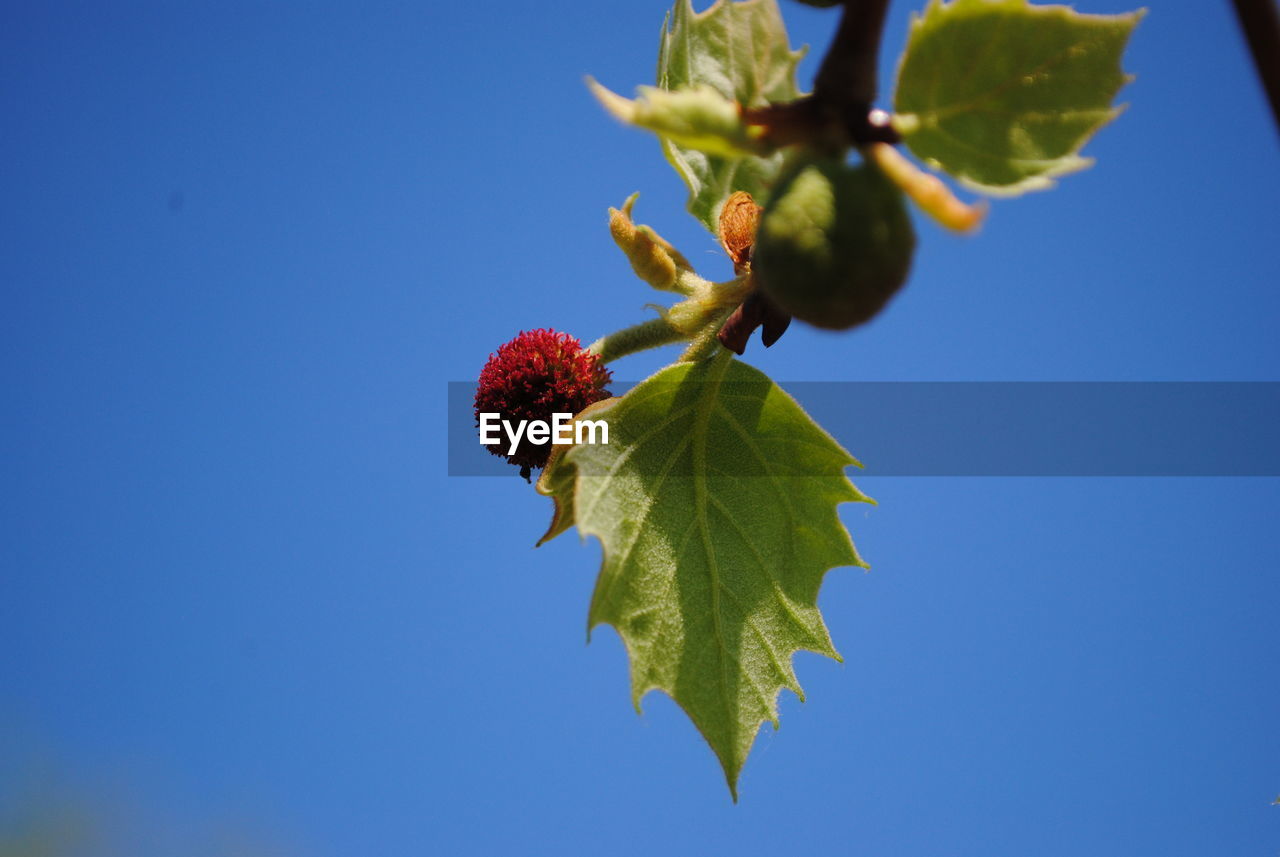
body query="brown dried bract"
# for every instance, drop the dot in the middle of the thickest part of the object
(755, 311)
(738, 221)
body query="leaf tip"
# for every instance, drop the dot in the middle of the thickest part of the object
(857, 496)
(637, 695)
(622, 109)
(630, 203)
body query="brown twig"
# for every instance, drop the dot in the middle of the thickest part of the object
(839, 112)
(1261, 24)
(847, 77)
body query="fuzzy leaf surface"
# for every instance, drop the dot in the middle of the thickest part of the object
(1003, 94)
(715, 502)
(699, 118)
(741, 51)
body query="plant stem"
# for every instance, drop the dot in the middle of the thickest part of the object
(639, 337)
(1261, 25)
(847, 78)
(707, 343)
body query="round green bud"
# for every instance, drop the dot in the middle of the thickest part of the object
(834, 243)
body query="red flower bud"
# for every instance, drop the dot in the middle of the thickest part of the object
(538, 374)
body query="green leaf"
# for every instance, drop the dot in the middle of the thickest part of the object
(557, 479)
(556, 482)
(740, 50)
(715, 502)
(698, 118)
(1002, 94)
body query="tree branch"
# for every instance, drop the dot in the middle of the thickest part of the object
(847, 77)
(1261, 25)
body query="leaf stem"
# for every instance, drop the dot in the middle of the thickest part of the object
(934, 198)
(639, 337)
(707, 343)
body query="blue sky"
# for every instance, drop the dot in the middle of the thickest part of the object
(243, 609)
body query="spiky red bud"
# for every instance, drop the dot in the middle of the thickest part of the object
(539, 373)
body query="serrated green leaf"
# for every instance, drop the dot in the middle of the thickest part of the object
(1002, 94)
(741, 51)
(715, 502)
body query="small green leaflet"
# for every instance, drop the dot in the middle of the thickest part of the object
(715, 501)
(1002, 94)
(699, 118)
(741, 51)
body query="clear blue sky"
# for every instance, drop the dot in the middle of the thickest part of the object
(241, 603)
